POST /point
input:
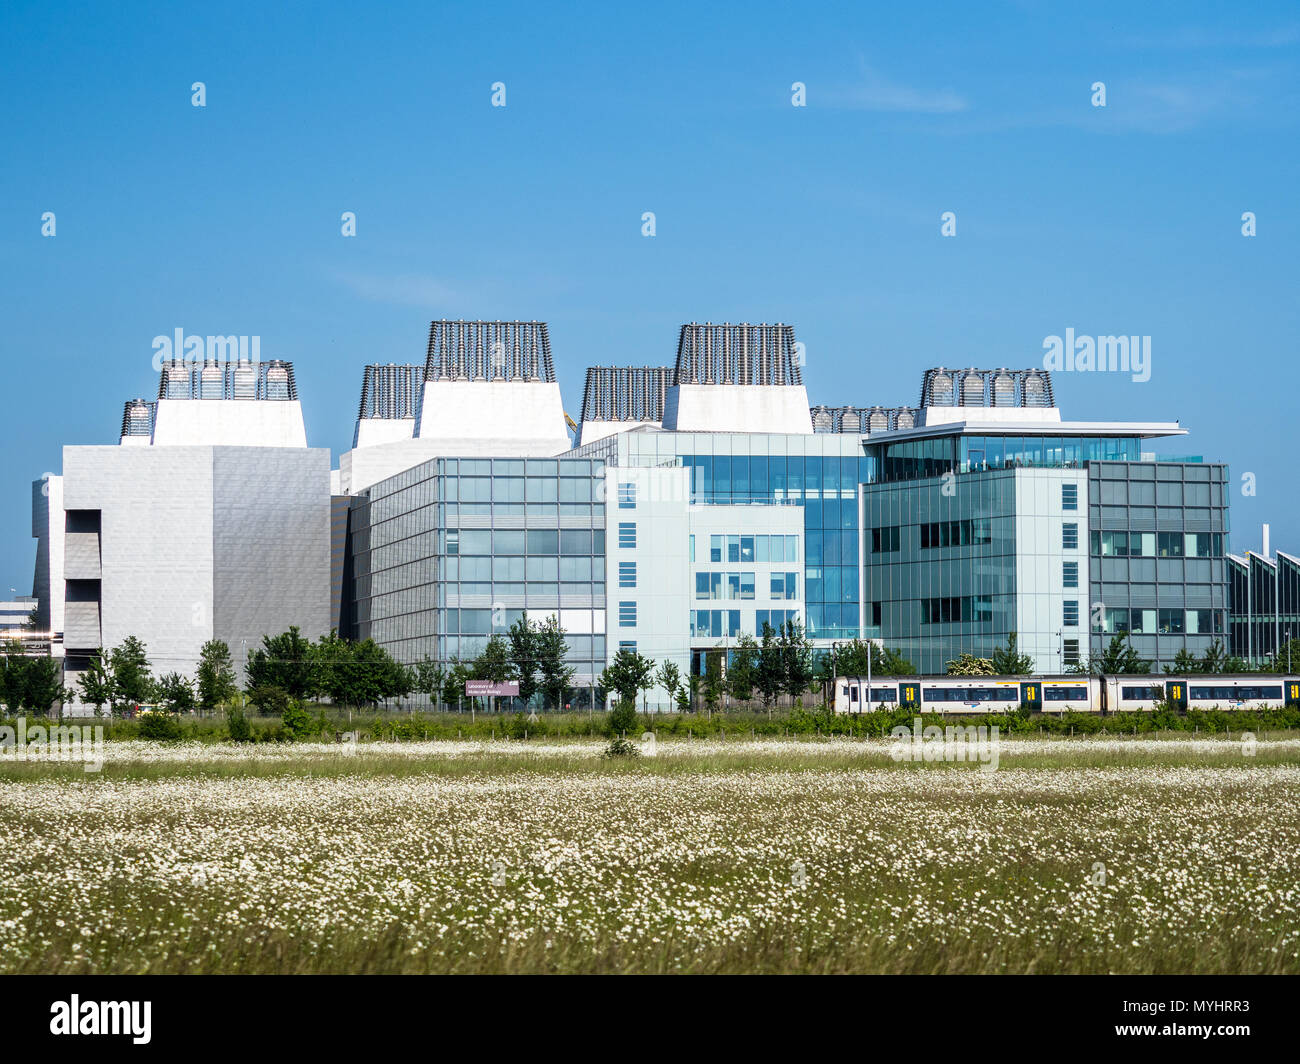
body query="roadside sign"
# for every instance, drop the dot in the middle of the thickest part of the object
(487, 687)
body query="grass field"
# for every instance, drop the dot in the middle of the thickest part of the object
(1076, 855)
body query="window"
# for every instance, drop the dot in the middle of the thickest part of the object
(1171, 622)
(627, 496)
(784, 585)
(715, 548)
(1071, 616)
(1069, 574)
(627, 574)
(883, 540)
(627, 535)
(954, 533)
(627, 614)
(1070, 536)
(1069, 496)
(1170, 544)
(1070, 651)
(627, 644)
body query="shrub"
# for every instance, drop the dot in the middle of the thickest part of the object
(622, 747)
(271, 701)
(622, 719)
(160, 726)
(240, 730)
(298, 723)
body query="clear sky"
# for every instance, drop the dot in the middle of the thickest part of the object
(225, 219)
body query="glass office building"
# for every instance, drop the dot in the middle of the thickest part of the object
(937, 529)
(450, 552)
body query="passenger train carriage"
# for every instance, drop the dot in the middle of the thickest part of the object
(1062, 693)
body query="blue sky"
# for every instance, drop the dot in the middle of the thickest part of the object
(225, 219)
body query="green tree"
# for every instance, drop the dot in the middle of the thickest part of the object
(132, 681)
(430, 678)
(851, 660)
(177, 692)
(522, 638)
(796, 659)
(215, 675)
(1184, 662)
(284, 661)
(622, 719)
(1287, 658)
(96, 683)
(43, 685)
(628, 674)
(714, 684)
(13, 677)
(240, 730)
(552, 654)
(771, 666)
(743, 671)
(1119, 658)
(453, 692)
(1008, 661)
(669, 678)
(270, 700)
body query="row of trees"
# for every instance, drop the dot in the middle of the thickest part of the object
(29, 684)
(778, 664)
(1119, 658)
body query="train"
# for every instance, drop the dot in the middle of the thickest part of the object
(1065, 693)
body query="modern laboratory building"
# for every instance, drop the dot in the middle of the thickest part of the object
(695, 502)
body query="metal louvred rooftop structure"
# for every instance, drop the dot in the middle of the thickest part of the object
(987, 388)
(489, 351)
(727, 353)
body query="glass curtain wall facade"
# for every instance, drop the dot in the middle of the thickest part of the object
(819, 473)
(1264, 596)
(1158, 531)
(941, 565)
(450, 552)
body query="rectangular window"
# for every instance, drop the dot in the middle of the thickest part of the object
(1070, 536)
(627, 574)
(883, 540)
(627, 644)
(715, 548)
(746, 585)
(627, 535)
(1170, 544)
(1069, 496)
(1070, 651)
(701, 585)
(627, 496)
(627, 614)
(1071, 616)
(1069, 574)
(1171, 622)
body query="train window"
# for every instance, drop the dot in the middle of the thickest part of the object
(1139, 693)
(853, 694)
(1234, 694)
(971, 694)
(1065, 694)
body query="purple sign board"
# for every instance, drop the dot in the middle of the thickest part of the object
(487, 687)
